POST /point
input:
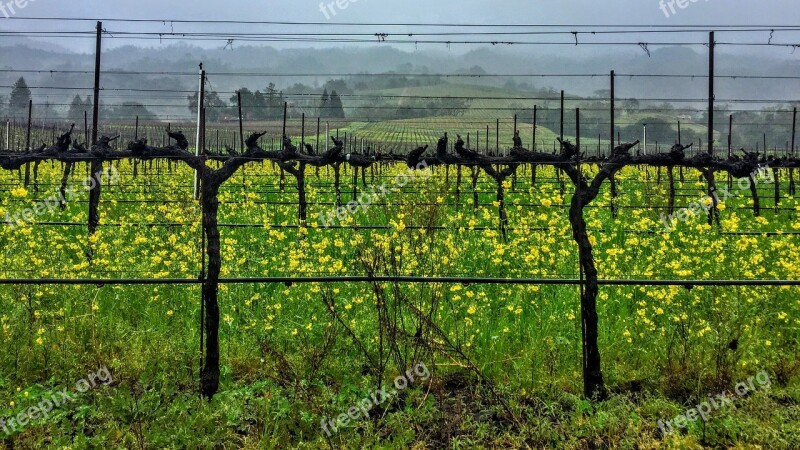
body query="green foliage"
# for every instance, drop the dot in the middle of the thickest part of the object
(128, 111)
(330, 106)
(281, 376)
(19, 99)
(261, 106)
(77, 109)
(216, 108)
(335, 109)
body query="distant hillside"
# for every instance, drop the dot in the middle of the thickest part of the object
(184, 58)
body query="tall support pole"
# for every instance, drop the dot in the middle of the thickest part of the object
(96, 165)
(533, 144)
(241, 132)
(283, 133)
(86, 127)
(497, 137)
(713, 213)
(202, 143)
(578, 193)
(96, 105)
(794, 129)
(730, 135)
(644, 139)
(613, 107)
(561, 145)
(241, 120)
(316, 147)
(28, 142)
(283, 138)
(711, 93)
(730, 148)
(792, 152)
(515, 125)
(561, 133)
(201, 97)
(30, 121)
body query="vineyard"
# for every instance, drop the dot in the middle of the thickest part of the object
(564, 282)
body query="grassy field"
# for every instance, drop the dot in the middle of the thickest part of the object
(503, 361)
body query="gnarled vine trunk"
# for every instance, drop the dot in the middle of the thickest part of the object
(94, 194)
(593, 385)
(209, 374)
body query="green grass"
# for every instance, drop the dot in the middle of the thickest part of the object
(287, 363)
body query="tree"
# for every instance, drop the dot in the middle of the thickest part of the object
(252, 104)
(629, 106)
(261, 106)
(476, 70)
(215, 107)
(658, 130)
(77, 108)
(128, 111)
(274, 102)
(324, 105)
(20, 96)
(299, 88)
(338, 86)
(603, 94)
(336, 109)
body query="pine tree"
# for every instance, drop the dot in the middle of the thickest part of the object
(324, 105)
(274, 100)
(336, 108)
(20, 96)
(76, 109)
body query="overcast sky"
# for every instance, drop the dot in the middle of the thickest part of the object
(636, 12)
(572, 12)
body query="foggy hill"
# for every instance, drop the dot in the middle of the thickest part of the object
(382, 59)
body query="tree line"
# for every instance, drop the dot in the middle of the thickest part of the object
(17, 106)
(267, 105)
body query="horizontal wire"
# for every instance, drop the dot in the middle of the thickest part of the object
(421, 97)
(383, 38)
(398, 279)
(390, 74)
(696, 27)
